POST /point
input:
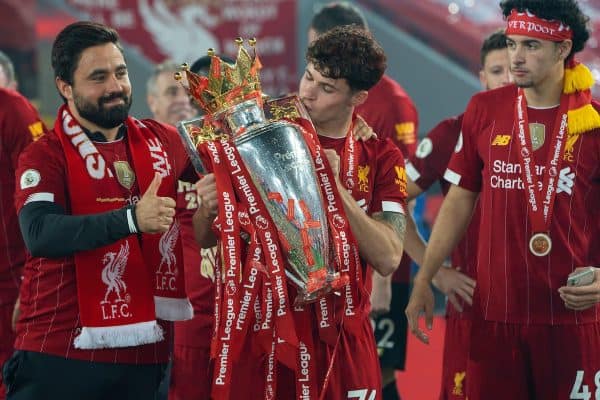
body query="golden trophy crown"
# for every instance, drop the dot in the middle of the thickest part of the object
(226, 85)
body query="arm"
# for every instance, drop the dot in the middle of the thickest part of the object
(379, 237)
(451, 223)
(414, 245)
(21, 127)
(449, 228)
(49, 232)
(447, 280)
(381, 294)
(412, 189)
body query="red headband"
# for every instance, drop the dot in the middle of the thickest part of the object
(527, 24)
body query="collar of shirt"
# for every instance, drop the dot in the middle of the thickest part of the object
(99, 137)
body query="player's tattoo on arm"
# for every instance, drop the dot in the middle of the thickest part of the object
(397, 221)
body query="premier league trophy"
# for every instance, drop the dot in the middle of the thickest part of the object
(278, 159)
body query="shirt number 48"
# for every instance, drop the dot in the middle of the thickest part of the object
(579, 391)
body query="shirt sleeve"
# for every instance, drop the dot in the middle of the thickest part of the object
(41, 174)
(390, 180)
(402, 121)
(465, 167)
(429, 162)
(41, 202)
(21, 127)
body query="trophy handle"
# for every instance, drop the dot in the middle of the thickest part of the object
(188, 131)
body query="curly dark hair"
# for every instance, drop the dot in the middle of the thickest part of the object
(350, 53)
(565, 11)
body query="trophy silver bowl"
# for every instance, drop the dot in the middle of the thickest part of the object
(282, 169)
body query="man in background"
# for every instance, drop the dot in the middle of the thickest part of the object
(167, 99)
(20, 124)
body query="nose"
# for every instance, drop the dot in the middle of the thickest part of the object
(114, 85)
(506, 78)
(517, 55)
(181, 97)
(307, 90)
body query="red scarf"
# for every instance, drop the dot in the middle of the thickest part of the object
(122, 287)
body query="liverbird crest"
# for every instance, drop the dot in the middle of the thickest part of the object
(226, 85)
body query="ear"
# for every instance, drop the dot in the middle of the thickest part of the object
(359, 97)
(64, 88)
(564, 48)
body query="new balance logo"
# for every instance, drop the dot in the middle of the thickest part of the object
(501, 140)
(566, 181)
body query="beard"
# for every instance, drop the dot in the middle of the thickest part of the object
(98, 114)
(524, 84)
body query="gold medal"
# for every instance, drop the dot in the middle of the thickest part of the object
(540, 244)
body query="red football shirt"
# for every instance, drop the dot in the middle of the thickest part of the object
(382, 187)
(391, 113)
(516, 286)
(199, 275)
(425, 168)
(49, 318)
(381, 169)
(20, 124)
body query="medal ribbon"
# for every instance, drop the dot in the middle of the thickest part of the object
(252, 279)
(306, 371)
(350, 156)
(344, 245)
(541, 203)
(231, 254)
(269, 240)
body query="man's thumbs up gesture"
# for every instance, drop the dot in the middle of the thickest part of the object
(154, 214)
